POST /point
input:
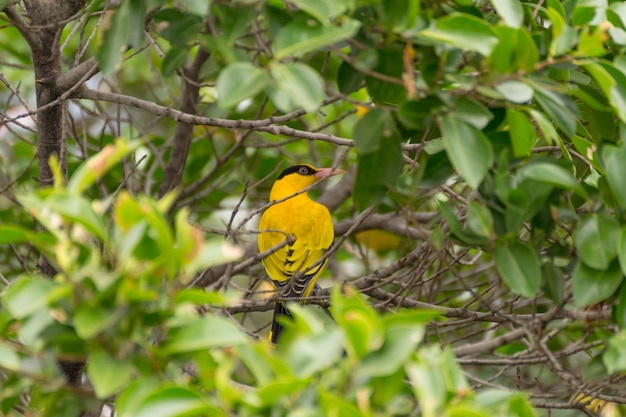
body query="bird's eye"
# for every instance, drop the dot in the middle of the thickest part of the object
(303, 171)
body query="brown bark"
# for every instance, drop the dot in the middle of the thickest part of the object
(42, 31)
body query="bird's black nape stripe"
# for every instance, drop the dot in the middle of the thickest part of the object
(296, 169)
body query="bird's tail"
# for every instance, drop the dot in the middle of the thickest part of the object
(279, 311)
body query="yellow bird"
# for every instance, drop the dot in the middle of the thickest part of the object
(308, 228)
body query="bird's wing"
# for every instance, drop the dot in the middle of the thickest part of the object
(312, 229)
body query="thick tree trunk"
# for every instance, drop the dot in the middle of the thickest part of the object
(42, 32)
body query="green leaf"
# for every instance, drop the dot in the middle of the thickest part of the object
(238, 82)
(203, 333)
(479, 219)
(310, 354)
(510, 11)
(300, 84)
(550, 173)
(108, 375)
(468, 148)
(90, 321)
(621, 252)
(591, 42)
(322, 10)
(13, 234)
(114, 39)
(384, 92)
(360, 323)
(418, 114)
(559, 108)
(463, 31)
(553, 282)
(302, 35)
(614, 158)
(99, 164)
(516, 51)
(9, 359)
(401, 341)
(174, 59)
(521, 132)
(335, 404)
(466, 237)
(612, 82)
(378, 172)
(546, 127)
(515, 91)
(349, 79)
(472, 111)
(165, 401)
(592, 286)
(26, 295)
(176, 26)
(596, 240)
(614, 358)
(519, 267)
(373, 130)
(78, 209)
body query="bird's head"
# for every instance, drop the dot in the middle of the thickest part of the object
(298, 177)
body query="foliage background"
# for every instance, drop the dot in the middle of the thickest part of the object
(484, 148)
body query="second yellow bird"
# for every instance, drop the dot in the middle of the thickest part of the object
(307, 226)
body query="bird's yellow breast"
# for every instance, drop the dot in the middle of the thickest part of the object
(304, 221)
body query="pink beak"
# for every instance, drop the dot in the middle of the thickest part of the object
(327, 172)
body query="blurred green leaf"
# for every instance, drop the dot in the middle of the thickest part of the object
(612, 82)
(314, 353)
(13, 234)
(371, 131)
(99, 164)
(168, 401)
(479, 220)
(510, 11)
(174, 59)
(203, 333)
(177, 26)
(299, 84)
(592, 286)
(9, 359)
(559, 107)
(333, 404)
(614, 358)
(381, 91)
(79, 210)
(553, 282)
(400, 342)
(90, 321)
(468, 148)
(520, 268)
(521, 131)
(360, 323)
(463, 31)
(238, 82)
(465, 236)
(472, 112)
(108, 375)
(26, 295)
(323, 10)
(515, 91)
(515, 51)
(302, 35)
(378, 172)
(552, 174)
(597, 238)
(613, 158)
